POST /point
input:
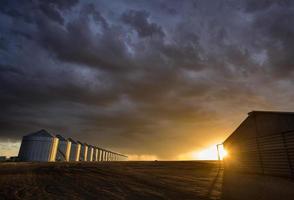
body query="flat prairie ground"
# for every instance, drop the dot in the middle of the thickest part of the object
(137, 180)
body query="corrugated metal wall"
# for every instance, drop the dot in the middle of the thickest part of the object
(263, 143)
(269, 154)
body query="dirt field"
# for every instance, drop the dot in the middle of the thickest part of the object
(136, 180)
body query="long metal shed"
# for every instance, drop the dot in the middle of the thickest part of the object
(38, 146)
(263, 143)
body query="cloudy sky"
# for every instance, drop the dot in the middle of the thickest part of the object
(156, 79)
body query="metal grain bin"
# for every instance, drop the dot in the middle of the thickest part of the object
(107, 155)
(95, 155)
(99, 154)
(90, 153)
(102, 154)
(63, 151)
(84, 151)
(75, 150)
(2, 158)
(38, 146)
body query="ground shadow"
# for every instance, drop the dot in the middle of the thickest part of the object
(244, 186)
(215, 188)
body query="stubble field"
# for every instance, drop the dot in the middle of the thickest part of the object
(136, 180)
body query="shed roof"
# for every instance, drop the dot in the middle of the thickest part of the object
(269, 112)
(248, 126)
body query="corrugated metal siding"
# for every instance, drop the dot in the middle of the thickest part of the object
(67, 152)
(61, 150)
(99, 155)
(271, 123)
(53, 151)
(270, 155)
(90, 154)
(289, 145)
(95, 154)
(73, 152)
(246, 130)
(38, 148)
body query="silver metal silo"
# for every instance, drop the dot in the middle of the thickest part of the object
(75, 150)
(63, 151)
(39, 146)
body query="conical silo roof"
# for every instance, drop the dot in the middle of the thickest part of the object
(40, 133)
(60, 138)
(81, 143)
(72, 141)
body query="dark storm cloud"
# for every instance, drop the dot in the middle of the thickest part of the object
(140, 22)
(61, 5)
(277, 34)
(7, 69)
(142, 77)
(16, 10)
(52, 13)
(26, 10)
(96, 49)
(252, 6)
(89, 10)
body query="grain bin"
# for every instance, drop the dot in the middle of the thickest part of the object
(84, 151)
(263, 143)
(110, 156)
(3, 158)
(90, 153)
(107, 155)
(38, 146)
(75, 150)
(99, 154)
(102, 155)
(95, 155)
(63, 151)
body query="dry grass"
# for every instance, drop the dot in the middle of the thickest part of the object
(114, 180)
(133, 180)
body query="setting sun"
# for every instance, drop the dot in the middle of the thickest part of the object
(206, 154)
(222, 152)
(210, 153)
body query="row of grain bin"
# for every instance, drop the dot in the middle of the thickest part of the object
(43, 146)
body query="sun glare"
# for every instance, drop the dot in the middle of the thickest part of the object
(210, 153)
(206, 154)
(222, 152)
